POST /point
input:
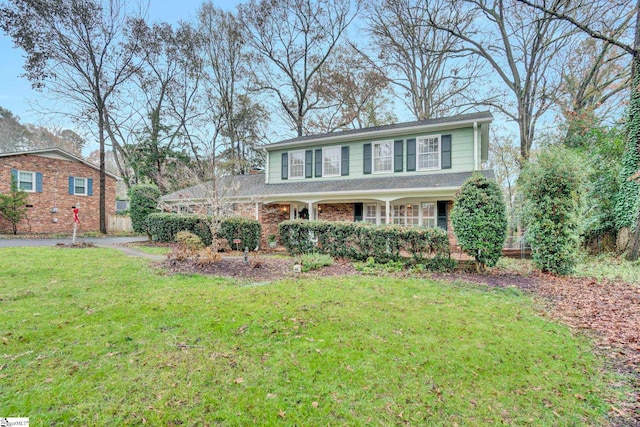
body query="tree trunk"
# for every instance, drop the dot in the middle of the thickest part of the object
(103, 174)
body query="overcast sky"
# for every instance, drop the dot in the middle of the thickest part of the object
(16, 94)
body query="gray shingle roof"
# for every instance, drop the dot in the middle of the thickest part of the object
(484, 116)
(254, 187)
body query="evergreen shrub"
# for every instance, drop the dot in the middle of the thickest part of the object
(143, 201)
(479, 219)
(551, 187)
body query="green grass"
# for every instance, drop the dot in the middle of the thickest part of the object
(91, 337)
(152, 250)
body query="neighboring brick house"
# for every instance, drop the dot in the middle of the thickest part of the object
(406, 174)
(56, 182)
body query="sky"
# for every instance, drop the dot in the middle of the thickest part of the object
(16, 93)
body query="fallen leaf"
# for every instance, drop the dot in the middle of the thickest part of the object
(281, 413)
(314, 404)
(271, 395)
(48, 380)
(239, 380)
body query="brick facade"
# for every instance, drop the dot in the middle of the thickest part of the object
(41, 217)
(335, 211)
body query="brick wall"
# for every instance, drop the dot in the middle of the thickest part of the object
(55, 194)
(335, 212)
(270, 216)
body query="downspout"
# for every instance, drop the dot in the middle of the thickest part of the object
(475, 146)
(266, 167)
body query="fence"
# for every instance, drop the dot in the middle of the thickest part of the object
(119, 223)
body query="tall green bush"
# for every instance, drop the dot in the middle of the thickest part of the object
(551, 187)
(13, 206)
(479, 219)
(246, 230)
(143, 201)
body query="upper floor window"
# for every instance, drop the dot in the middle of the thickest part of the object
(383, 157)
(26, 181)
(429, 152)
(296, 164)
(331, 160)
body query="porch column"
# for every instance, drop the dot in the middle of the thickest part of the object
(257, 211)
(311, 218)
(387, 211)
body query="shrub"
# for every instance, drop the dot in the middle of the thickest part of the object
(247, 230)
(551, 187)
(479, 220)
(164, 226)
(189, 240)
(361, 241)
(144, 201)
(314, 261)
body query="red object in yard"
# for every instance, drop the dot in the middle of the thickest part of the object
(75, 215)
(237, 241)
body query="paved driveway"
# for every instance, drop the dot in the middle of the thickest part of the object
(98, 241)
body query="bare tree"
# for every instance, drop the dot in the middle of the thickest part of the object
(353, 94)
(291, 41)
(74, 49)
(238, 117)
(428, 65)
(522, 48)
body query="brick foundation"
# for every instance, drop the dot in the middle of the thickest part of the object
(55, 195)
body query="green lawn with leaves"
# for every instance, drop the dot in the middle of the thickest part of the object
(91, 337)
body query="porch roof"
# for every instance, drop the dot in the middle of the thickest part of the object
(254, 188)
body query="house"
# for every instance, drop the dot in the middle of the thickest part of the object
(56, 182)
(406, 174)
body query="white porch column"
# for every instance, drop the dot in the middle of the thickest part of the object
(388, 212)
(257, 211)
(311, 218)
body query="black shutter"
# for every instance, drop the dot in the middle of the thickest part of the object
(357, 211)
(285, 165)
(344, 168)
(445, 152)
(411, 154)
(397, 155)
(367, 159)
(318, 162)
(308, 164)
(442, 214)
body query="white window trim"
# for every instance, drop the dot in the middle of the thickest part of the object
(338, 150)
(33, 181)
(424, 218)
(86, 184)
(291, 153)
(373, 157)
(439, 155)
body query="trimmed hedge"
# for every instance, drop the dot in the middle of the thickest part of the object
(144, 201)
(164, 226)
(247, 230)
(361, 241)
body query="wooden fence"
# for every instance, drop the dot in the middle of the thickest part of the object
(118, 223)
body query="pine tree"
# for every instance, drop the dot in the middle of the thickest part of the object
(13, 205)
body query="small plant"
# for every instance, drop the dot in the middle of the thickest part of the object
(314, 261)
(188, 240)
(272, 240)
(13, 205)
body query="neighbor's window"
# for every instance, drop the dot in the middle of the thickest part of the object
(429, 152)
(382, 156)
(26, 181)
(80, 186)
(331, 161)
(296, 164)
(429, 214)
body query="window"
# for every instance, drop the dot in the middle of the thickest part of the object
(296, 164)
(26, 181)
(331, 161)
(80, 186)
(371, 214)
(383, 157)
(429, 214)
(429, 152)
(405, 214)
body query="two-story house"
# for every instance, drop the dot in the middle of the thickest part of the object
(406, 174)
(56, 182)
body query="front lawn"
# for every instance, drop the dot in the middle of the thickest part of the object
(91, 337)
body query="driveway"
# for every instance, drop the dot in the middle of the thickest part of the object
(97, 241)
